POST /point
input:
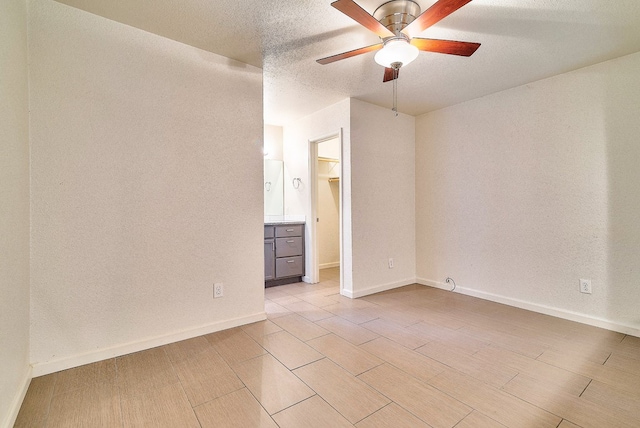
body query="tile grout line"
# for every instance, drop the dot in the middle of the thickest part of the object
(585, 388)
(184, 392)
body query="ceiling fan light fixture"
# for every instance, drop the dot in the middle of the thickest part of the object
(396, 50)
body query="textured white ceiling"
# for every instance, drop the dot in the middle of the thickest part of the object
(522, 41)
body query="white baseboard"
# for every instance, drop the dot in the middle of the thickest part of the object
(542, 309)
(434, 284)
(377, 288)
(40, 369)
(14, 409)
(329, 265)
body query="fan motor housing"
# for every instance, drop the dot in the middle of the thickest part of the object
(397, 14)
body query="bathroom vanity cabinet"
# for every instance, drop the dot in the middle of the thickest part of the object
(283, 253)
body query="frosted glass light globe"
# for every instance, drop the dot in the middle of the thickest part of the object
(398, 50)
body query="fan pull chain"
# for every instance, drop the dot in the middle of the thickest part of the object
(395, 96)
(396, 73)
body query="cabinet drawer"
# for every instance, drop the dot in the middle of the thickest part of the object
(289, 266)
(288, 230)
(269, 232)
(287, 247)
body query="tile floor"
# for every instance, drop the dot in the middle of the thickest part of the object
(411, 357)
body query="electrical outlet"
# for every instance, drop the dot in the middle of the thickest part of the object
(585, 286)
(218, 290)
(390, 263)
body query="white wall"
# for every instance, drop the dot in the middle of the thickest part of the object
(522, 193)
(382, 198)
(329, 149)
(14, 210)
(378, 186)
(146, 188)
(296, 138)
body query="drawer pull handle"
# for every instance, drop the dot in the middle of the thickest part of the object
(291, 261)
(291, 241)
(290, 230)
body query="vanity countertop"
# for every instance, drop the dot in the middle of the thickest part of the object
(278, 223)
(274, 220)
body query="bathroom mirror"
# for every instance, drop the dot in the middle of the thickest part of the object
(273, 187)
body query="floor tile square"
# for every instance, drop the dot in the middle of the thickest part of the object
(352, 398)
(238, 409)
(273, 385)
(311, 413)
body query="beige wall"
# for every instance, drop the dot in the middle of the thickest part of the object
(14, 209)
(296, 136)
(377, 182)
(382, 198)
(524, 192)
(146, 188)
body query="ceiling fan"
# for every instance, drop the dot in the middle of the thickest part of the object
(397, 22)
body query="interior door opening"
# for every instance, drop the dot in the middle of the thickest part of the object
(328, 208)
(325, 247)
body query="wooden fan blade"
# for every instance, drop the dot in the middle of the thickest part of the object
(349, 54)
(362, 17)
(390, 74)
(441, 9)
(450, 47)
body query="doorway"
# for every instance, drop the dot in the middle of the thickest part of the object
(325, 247)
(328, 208)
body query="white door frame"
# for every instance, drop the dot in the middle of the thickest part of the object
(313, 272)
